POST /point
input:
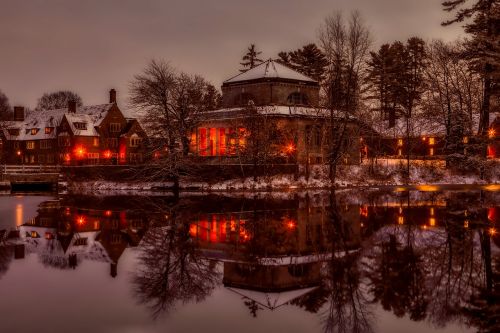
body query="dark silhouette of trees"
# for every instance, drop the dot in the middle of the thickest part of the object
(483, 49)
(251, 58)
(5, 108)
(58, 100)
(308, 60)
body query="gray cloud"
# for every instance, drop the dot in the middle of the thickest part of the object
(91, 46)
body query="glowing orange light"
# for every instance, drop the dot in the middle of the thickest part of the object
(423, 138)
(493, 231)
(290, 148)
(432, 222)
(108, 213)
(466, 224)
(18, 153)
(107, 154)
(291, 225)
(80, 220)
(80, 151)
(400, 142)
(431, 141)
(363, 211)
(491, 133)
(401, 220)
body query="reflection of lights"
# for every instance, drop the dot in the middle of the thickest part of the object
(493, 231)
(80, 220)
(362, 225)
(108, 213)
(19, 214)
(401, 220)
(432, 211)
(427, 188)
(432, 221)
(492, 187)
(291, 225)
(466, 224)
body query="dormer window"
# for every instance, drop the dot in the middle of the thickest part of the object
(80, 126)
(34, 131)
(14, 131)
(49, 130)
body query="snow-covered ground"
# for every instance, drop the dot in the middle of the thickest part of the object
(386, 172)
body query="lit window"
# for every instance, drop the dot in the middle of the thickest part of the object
(400, 152)
(49, 130)
(431, 141)
(35, 234)
(34, 131)
(466, 139)
(432, 221)
(30, 145)
(96, 142)
(400, 142)
(431, 151)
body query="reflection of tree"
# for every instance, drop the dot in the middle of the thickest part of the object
(397, 281)
(171, 269)
(5, 258)
(253, 306)
(348, 309)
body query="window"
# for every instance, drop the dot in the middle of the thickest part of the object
(114, 127)
(113, 142)
(30, 145)
(466, 139)
(135, 141)
(431, 141)
(41, 159)
(64, 141)
(93, 158)
(116, 238)
(17, 145)
(297, 98)
(49, 130)
(50, 158)
(45, 144)
(135, 158)
(431, 151)
(80, 126)
(95, 142)
(14, 131)
(34, 131)
(80, 241)
(400, 142)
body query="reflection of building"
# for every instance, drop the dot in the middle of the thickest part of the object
(64, 235)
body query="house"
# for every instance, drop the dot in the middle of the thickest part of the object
(97, 134)
(273, 109)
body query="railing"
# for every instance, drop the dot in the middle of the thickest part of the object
(29, 169)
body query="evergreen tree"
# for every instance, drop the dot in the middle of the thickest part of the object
(250, 59)
(483, 24)
(308, 60)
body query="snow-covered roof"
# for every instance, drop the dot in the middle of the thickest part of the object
(92, 115)
(74, 118)
(270, 110)
(269, 69)
(272, 300)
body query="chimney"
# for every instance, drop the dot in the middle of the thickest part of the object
(72, 106)
(112, 96)
(18, 113)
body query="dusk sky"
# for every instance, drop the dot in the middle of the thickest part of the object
(94, 45)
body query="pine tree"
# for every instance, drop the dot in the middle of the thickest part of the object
(484, 46)
(5, 109)
(250, 59)
(308, 60)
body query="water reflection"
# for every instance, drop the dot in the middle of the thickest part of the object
(427, 256)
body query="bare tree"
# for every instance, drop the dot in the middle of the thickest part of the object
(5, 108)
(346, 46)
(58, 100)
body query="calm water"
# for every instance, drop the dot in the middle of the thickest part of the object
(370, 261)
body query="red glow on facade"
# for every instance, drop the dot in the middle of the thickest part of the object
(107, 154)
(80, 220)
(290, 148)
(108, 213)
(80, 151)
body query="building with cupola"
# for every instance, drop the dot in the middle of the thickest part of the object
(277, 101)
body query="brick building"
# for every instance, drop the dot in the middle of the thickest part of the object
(97, 134)
(285, 102)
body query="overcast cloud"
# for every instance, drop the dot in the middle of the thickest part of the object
(94, 45)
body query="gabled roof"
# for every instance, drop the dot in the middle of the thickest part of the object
(81, 118)
(270, 69)
(271, 300)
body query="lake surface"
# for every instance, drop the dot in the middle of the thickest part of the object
(391, 260)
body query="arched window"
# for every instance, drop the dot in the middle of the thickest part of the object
(244, 98)
(297, 98)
